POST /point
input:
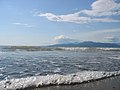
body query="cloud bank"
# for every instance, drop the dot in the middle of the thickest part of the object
(61, 39)
(99, 12)
(113, 39)
(103, 8)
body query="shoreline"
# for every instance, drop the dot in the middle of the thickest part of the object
(110, 83)
(56, 81)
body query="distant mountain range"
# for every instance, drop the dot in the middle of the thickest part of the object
(87, 44)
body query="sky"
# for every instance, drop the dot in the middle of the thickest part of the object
(45, 22)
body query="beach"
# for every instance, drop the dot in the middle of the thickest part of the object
(112, 83)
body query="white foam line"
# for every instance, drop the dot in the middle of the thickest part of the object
(37, 81)
(89, 48)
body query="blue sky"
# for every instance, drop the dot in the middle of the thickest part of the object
(43, 22)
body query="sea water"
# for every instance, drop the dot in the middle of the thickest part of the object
(22, 68)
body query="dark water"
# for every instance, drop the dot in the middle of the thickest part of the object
(17, 64)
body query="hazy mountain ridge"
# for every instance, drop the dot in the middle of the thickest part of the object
(87, 44)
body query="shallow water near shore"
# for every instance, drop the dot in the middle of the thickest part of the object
(112, 83)
(25, 67)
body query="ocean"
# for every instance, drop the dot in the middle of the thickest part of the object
(31, 67)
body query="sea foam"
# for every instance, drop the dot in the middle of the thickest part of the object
(88, 48)
(38, 81)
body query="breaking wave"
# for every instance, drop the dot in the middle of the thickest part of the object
(89, 48)
(38, 81)
(35, 48)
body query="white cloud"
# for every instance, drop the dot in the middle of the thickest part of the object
(59, 37)
(97, 35)
(75, 18)
(101, 8)
(107, 35)
(104, 31)
(62, 39)
(105, 20)
(23, 24)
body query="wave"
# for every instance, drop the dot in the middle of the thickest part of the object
(114, 58)
(38, 81)
(35, 48)
(89, 48)
(109, 49)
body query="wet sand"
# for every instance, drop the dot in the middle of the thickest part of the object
(112, 83)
